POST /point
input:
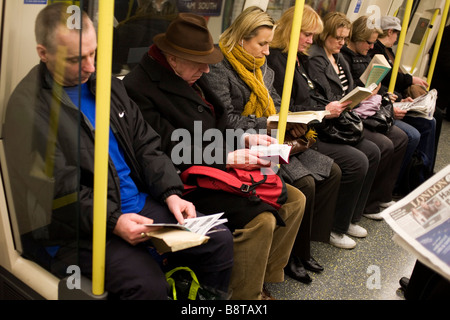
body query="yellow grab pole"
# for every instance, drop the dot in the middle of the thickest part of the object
(290, 68)
(103, 98)
(401, 43)
(438, 43)
(424, 40)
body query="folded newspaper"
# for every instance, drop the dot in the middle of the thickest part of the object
(422, 106)
(421, 222)
(175, 237)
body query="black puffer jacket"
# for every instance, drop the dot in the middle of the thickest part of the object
(51, 163)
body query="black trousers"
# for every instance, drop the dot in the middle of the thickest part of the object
(320, 207)
(392, 147)
(426, 284)
(133, 272)
(358, 165)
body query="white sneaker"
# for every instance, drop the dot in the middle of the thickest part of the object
(373, 216)
(341, 240)
(385, 205)
(356, 231)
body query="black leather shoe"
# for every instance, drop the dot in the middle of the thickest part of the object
(404, 281)
(312, 265)
(295, 270)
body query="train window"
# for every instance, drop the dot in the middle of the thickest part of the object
(137, 22)
(41, 141)
(136, 26)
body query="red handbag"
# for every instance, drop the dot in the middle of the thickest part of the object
(267, 187)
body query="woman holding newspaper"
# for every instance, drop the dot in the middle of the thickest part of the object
(422, 131)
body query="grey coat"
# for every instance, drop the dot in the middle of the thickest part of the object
(234, 93)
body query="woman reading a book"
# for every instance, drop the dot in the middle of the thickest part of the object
(330, 69)
(394, 142)
(244, 83)
(357, 162)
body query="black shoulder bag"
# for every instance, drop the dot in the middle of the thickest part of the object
(383, 120)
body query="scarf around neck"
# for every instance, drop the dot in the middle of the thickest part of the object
(248, 68)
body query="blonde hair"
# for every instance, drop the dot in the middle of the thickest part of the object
(311, 22)
(362, 29)
(331, 22)
(246, 26)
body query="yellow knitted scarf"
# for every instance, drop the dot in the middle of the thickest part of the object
(248, 68)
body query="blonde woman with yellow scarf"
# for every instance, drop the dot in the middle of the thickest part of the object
(244, 82)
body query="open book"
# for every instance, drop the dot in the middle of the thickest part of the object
(176, 237)
(378, 68)
(306, 117)
(357, 95)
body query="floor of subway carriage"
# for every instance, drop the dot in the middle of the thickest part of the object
(348, 274)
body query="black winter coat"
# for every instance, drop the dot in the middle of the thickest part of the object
(169, 103)
(303, 87)
(357, 62)
(321, 71)
(404, 80)
(51, 164)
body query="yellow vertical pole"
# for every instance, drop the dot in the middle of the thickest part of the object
(438, 43)
(401, 44)
(103, 98)
(290, 68)
(424, 40)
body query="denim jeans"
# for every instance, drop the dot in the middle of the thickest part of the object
(421, 134)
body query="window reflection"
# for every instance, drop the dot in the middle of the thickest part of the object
(41, 144)
(134, 35)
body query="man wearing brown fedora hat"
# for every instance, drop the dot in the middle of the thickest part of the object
(172, 94)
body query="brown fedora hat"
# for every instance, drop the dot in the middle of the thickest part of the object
(188, 37)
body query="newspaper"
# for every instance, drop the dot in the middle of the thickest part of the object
(421, 222)
(422, 106)
(201, 225)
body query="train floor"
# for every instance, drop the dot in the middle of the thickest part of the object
(370, 271)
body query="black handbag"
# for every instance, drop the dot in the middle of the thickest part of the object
(383, 120)
(346, 129)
